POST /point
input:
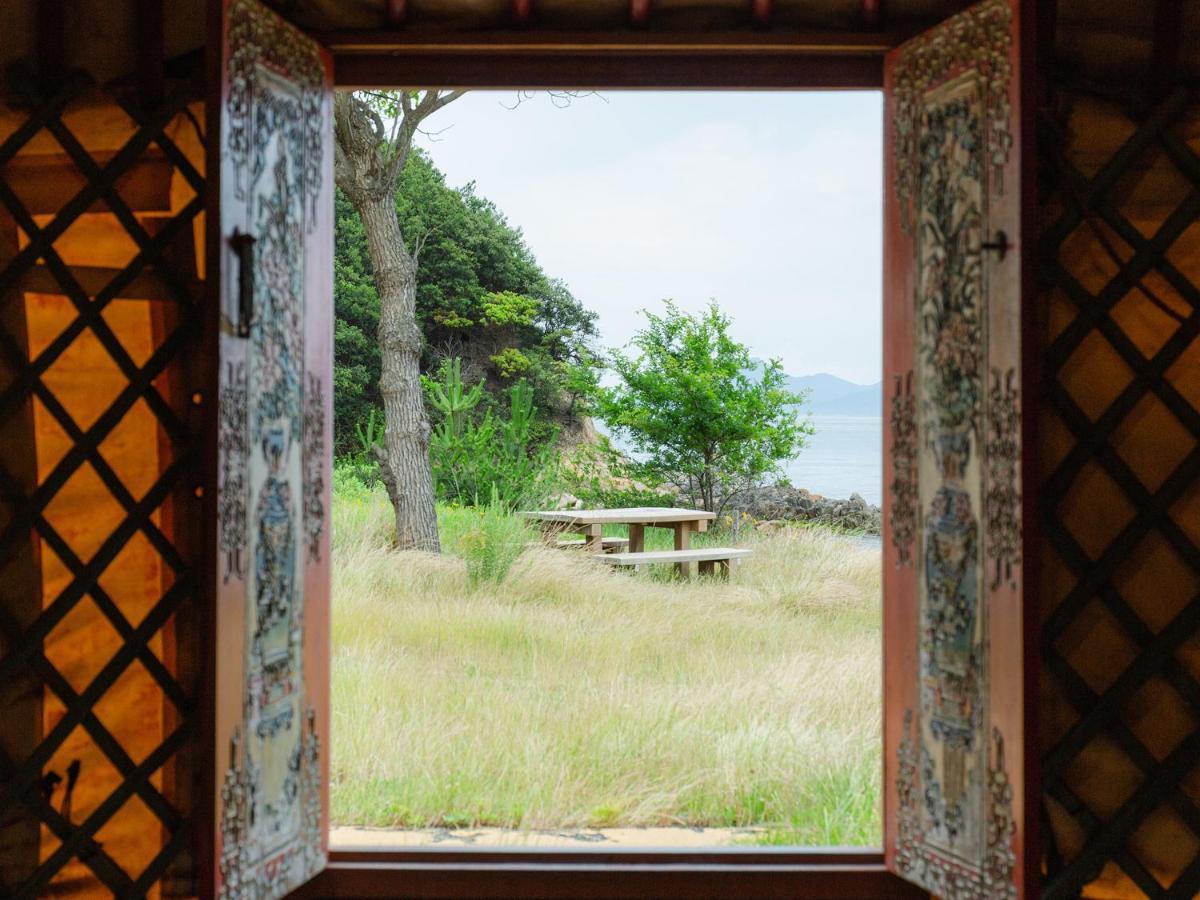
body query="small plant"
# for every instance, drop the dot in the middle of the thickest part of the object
(487, 538)
(486, 459)
(370, 433)
(361, 465)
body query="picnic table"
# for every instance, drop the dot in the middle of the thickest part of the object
(590, 523)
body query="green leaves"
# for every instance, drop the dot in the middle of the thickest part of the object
(480, 458)
(698, 409)
(480, 295)
(502, 308)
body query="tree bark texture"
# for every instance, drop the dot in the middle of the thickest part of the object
(367, 166)
(406, 435)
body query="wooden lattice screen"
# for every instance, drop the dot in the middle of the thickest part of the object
(1120, 457)
(101, 213)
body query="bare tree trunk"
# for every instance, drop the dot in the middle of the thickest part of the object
(370, 156)
(410, 479)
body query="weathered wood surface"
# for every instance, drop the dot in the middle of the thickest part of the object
(711, 560)
(642, 515)
(609, 543)
(705, 554)
(590, 523)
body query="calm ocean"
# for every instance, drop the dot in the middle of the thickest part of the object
(842, 458)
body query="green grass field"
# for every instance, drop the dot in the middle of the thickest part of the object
(534, 688)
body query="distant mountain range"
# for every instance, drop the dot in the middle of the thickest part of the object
(829, 395)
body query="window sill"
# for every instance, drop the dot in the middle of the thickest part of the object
(591, 873)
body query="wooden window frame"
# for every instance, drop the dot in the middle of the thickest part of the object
(621, 60)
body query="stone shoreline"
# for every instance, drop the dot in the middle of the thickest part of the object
(776, 504)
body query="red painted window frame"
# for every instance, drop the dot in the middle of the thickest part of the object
(533, 60)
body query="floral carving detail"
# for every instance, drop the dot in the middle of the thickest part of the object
(937, 874)
(1002, 827)
(277, 112)
(903, 515)
(978, 39)
(314, 465)
(260, 43)
(313, 856)
(234, 448)
(240, 878)
(950, 311)
(950, 291)
(1003, 502)
(237, 797)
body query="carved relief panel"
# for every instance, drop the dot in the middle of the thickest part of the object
(274, 333)
(953, 604)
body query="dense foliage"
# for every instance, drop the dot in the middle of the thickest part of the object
(698, 410)
(486, 458)
(481, 297)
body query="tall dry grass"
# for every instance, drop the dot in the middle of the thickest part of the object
(567, 695)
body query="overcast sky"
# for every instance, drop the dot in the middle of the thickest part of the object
(767, 202)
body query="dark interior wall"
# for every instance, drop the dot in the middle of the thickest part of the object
(1119, 320)
(99, 35)
(101, 297)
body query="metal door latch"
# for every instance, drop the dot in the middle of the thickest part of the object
(243, 247)
(1000, 245)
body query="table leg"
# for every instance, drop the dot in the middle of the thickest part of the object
(637, 538)
(683, 541)
(725, 567)
(594, 537)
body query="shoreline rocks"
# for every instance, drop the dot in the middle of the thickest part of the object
(774, 504)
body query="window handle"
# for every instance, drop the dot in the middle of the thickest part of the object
(999, 244)
(243, 247)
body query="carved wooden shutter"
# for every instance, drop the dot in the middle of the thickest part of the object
(275, 274)
(955, 654)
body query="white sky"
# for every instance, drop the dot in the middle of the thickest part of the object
(767, 202)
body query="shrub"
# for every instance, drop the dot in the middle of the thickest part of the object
(487, 538)
(601, 497)
(510, 361)
(486, 459)
(361, 464)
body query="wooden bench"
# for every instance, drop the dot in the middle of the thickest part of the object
(710, 559)
(609, 544)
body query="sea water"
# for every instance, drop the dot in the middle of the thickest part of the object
(843, 457)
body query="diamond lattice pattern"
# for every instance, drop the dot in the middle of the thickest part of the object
(100, 294)
(1120, 449)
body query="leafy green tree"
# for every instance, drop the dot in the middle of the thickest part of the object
(700, 413)
(480, 296)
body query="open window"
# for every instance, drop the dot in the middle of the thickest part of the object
(957, 812)
(955, 654)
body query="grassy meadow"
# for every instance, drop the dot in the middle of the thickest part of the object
(530, 688)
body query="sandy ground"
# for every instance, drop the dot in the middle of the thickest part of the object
(353, 838)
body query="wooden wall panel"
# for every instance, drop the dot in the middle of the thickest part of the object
(1120, 454)
(99, 289)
